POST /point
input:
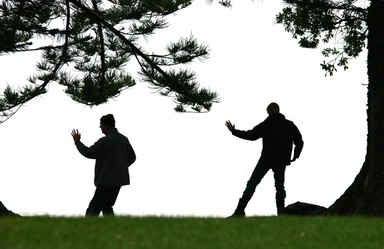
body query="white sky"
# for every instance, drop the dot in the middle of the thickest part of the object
(189, 164)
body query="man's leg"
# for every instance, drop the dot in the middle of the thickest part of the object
(256, 177)
(279, 175)
(110, 201)
(94, 207)
(103, 200)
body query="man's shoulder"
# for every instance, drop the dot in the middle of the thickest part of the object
(116, 135)
(290, 124)
(289, 121)
(280, 120)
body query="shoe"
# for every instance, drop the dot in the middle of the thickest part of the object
(239, 211)
(237, 215)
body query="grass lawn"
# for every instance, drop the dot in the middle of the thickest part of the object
(286, 232)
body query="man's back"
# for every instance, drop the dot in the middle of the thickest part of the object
(279, 135)
(113, 154)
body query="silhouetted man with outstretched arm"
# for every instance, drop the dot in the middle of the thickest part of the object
(113, 154)
(278, 135)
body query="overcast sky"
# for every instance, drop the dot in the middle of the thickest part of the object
(190, 164)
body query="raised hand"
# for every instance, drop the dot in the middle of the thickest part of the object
(76, 135)
(229, 125)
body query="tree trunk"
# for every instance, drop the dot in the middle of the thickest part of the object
(366, 194)
(5, 212)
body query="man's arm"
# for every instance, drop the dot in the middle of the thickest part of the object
(253, 134)
(131, 154)
(298, 142)
(89, 152)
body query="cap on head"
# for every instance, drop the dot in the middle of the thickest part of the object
(108, 120)
(273, 108)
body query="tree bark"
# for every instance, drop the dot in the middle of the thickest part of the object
(366, 194)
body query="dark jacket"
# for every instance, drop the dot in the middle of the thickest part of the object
(113, 154)
(279, 135)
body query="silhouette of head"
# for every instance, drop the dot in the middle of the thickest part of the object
(106, 123)
(108, 120)
(273, 108)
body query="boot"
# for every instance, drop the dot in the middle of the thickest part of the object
(239, 212)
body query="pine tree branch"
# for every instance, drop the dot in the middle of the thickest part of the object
(41, 88)
(326, 5)
(102, 49)
(137, 51)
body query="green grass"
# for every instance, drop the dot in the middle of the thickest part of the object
(198, 233)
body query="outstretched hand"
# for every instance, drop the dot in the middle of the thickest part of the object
(76, 135)
(229, 125)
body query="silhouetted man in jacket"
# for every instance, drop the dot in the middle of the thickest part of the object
(278, 135)
(113, 154)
